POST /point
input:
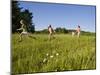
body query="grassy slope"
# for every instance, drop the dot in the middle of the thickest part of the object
(73, 53)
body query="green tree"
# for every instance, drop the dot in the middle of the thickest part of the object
(27, 17)
(61, 30)
(17, 15)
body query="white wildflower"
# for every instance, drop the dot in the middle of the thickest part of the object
(57, 54)
(51, 56)
(55, 70)
(44, 60)
(47, 54)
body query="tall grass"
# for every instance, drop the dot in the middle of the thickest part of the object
(63, 53)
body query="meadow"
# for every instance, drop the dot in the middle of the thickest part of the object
(63, 53)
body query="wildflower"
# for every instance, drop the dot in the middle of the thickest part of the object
(56, 70)
(51, 56)
(44, 60)
(57, 54)
(47, 54)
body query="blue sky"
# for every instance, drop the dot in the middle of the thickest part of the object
(61, 15)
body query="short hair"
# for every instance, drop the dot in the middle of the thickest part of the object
(78, 26)
(49, 25)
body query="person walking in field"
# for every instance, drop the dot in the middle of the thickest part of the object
(78, 30)
(51, 31)
(24, 30)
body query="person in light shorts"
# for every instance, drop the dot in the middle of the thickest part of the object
(78, 30)
(24, 30)
(25, 33)
(51, 31)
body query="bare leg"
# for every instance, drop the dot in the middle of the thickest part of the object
(20, 36)
(49, 36)
(78, 34)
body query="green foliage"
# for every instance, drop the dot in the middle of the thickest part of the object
(57, 30)
(15, 15)
(61, 30)
(44, 31)
(73, 53)
(88, 33)
(18, 15)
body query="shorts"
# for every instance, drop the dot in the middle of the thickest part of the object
(25, 33)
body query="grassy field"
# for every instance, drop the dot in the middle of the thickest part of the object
(63, 53)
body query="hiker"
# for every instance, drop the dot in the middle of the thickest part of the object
(24, 30)
(51, 31)
(78, 30)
